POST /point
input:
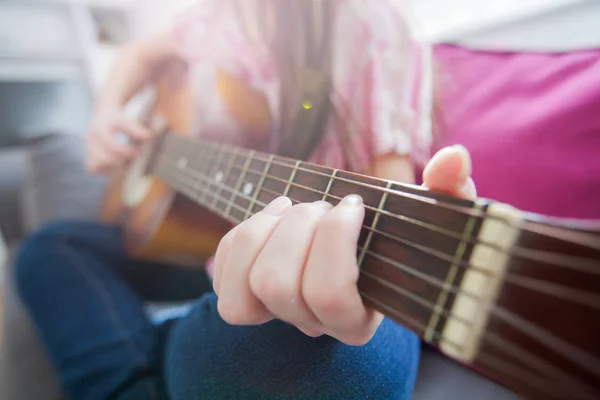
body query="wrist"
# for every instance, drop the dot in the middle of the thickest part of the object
(105, 108)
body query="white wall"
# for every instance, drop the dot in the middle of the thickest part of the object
(28, 109)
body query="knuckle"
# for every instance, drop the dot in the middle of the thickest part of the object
(325, 301)
(262, 285)
(359, 338)
(233, 312)
(332, 225)
(267, 288)
(224, 244)
(308, 211)
(247, 236)
(303, 208)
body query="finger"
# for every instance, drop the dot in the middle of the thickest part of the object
(99, 160)
(108, 141)
(276, 276)
(449, 171)
(237, 304)
(133, 129)
(310, 332)
(331, 276)
(468, 190)
(220, 256)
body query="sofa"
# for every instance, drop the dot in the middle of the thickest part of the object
(42, 180)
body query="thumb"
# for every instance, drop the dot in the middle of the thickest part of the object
(133, 129)
(449, 171)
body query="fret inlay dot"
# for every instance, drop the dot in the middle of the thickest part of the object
(219, 177)
(248, 189)
(182, 163)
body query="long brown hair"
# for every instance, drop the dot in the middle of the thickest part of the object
(299, 35)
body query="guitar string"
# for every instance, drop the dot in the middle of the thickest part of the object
(552, 258)
(527, 226)
(246, 164)
(567, 350)
(194, 193)
(589, 265)
(546, 386)
(523, 356)
(225, 187)
(258, 156)
(582, 264)
(492, 309)
(536, 363)
(590, 242)
(553, 289)
(556, 290)
(407, 269)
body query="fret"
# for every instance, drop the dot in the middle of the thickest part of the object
(180, 172)
(347, 183)
(215, 166)
(328, 188)
(252, 176)
(310, 183)
(406, 244)
(276, 181)
(291, 180)
(380, 208)
(222, 178)
(204, 162)
(182, 169)
(232, 181)
(258, 188)
(199, 162)
(481, 281)
(239, 183)
(433, 328)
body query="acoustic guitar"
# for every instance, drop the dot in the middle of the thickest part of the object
(513, 295)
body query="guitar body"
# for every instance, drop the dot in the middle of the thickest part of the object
(163, 225)
(158, 223)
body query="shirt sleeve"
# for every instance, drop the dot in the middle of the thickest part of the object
(377, 80)
(209, 32)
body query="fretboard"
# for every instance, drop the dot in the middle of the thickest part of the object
(471, 278)
(414, 245)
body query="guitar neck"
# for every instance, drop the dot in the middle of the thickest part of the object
(434, 263)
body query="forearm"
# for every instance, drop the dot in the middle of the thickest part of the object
(392, 166)
(137, 66)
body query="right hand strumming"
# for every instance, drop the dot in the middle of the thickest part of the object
(112, 140)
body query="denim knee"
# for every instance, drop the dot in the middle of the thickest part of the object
(207, 358)
(32, 252)
(42, 249)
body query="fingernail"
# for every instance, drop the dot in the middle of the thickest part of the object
(321, 203)
(310, 332)
(467, 190)
(351, 201)
(466, 160)
(277, 206)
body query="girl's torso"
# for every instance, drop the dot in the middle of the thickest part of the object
(371, 101)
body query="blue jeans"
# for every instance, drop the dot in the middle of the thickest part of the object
(87, 300)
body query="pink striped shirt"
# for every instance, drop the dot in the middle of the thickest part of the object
(374, 72)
